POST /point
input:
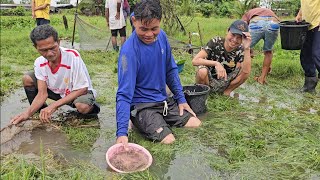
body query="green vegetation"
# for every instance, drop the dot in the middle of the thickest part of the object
(268, 132)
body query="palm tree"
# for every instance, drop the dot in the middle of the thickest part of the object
(243, 6)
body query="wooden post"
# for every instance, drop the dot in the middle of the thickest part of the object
(65, 22)
(200, 35)
(190, 50)
(74, 24)
(182, 27)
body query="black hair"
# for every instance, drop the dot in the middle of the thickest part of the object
(43, 32)
(147, 10)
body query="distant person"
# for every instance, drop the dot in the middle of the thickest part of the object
(59, 74)
(131, 23)
(225, 63)
(40, 11)
(126, 9)
(115, 21)
(310, 51)
(263, 24)
(145, 67)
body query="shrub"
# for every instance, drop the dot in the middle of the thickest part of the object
(291, 7)
(18, 11)
(224, 9)
(186, 7)
(241, 7)
(16, 22)
(206, 9)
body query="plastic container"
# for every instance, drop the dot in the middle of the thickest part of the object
(196, 96)
(118, 148)
(293, 34)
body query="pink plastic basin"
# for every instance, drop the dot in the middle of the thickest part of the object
(118, 148)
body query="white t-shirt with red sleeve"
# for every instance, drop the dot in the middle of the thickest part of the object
(71, 74)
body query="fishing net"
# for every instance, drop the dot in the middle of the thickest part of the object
(182, 46)
(92, 37)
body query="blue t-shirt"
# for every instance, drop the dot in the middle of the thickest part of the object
(144, 70)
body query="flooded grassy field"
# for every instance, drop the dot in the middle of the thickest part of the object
(261, 132)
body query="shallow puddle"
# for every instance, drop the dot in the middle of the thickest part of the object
(50, 138)
(13, 105)
(27, 137)
(182, 166)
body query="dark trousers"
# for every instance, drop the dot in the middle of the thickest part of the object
(310, 53)
(41, 21)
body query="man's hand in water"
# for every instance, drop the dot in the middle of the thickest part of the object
(19, 118)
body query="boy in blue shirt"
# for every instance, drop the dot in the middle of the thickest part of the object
(145, 67)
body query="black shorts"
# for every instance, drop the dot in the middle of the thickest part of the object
(153, 123)
(41, 21)
(219, 85)
(122, 32)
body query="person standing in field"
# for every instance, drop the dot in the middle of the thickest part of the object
(59, 74)
(40, 11)
(310, 51)
(115, 21)
(225, 63)
(145, 67)
(126, 9)
(263, 24)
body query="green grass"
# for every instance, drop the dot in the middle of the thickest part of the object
(269, 132)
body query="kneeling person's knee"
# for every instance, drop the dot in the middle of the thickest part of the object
(193, 122)
(169, 139)
(202, 73)
(85, 103)
(83, 108)
(28, 80)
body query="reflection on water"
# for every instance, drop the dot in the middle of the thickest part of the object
(51, 139)
(189, 166)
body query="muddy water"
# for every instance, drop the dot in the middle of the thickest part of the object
(182, 166)
(27, 136)
(189, 166)
(42, 138)
(107, 121)
(46, 137)
(13, 105)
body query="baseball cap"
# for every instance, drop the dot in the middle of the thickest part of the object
(238, 26)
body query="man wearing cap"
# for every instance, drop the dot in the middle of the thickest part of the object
(263, 24)
(225, 63)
